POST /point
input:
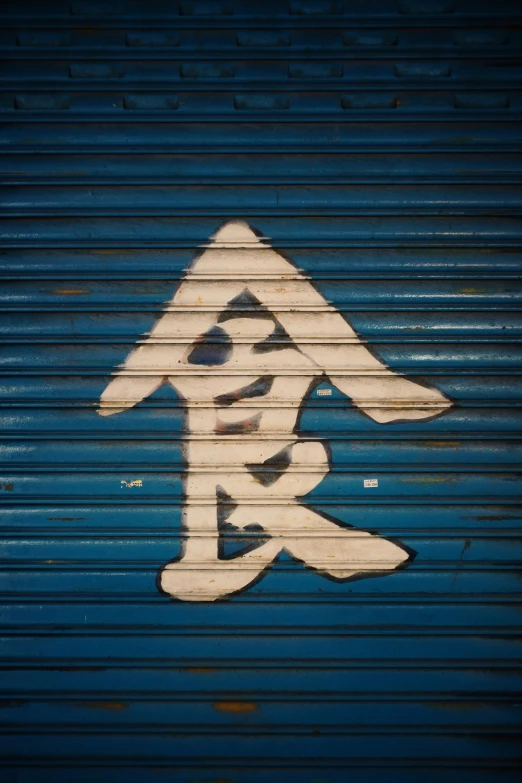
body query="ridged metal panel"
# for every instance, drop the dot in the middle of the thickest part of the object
(375, 147)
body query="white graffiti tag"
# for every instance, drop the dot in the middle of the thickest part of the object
(243, 340)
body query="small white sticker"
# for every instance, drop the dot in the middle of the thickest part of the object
(324, 392)
(371, 483)
(135, 483)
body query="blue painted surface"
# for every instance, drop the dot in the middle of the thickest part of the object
(379, 148)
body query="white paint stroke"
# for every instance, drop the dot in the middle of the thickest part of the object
(201, 574)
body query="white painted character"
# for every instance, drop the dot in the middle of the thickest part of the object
(278, 336)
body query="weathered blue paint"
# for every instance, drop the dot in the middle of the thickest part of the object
(378, 146)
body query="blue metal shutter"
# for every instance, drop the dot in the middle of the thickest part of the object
(374, 147)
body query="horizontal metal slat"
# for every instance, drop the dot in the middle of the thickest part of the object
(312, 12)
(322, 262)
(408, 486)
(118, 584)
(260, 770)
(346, 452)
(112, 519)
(85, 390)
(281, 136)
(318, 419)
(174, 747)
(147, 618)
(278, 294)
(485, 199)
(447, 649)
(269, 167)
(445, 230)
(292, 40)
(403, 358)
(69, 326)
(293, 714)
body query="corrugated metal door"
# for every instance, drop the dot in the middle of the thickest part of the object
(260, 391)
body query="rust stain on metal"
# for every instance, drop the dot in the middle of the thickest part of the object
(102, 705)
(70, 291)
(429, 480)
(439, 444)
(10, 704)
(492, 517)
(113, 252)
(235, 707)
(201, 669)
(456, 705)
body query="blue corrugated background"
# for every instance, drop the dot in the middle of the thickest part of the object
(378, 145)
